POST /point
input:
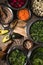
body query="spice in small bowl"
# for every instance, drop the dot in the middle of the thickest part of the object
(6, 14)
(27, 44)
(24, 14)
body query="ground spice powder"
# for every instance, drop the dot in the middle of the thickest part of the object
(24, 14)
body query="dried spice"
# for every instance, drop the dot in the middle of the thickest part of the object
(24, 14)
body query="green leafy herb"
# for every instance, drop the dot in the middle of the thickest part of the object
(17, 57)
(36, 31)
(37, 56)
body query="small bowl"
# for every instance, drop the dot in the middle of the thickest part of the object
(33, 53)
(30, 6)
(4, 5)
(12, 49)
(29, 43)
(28, 12)
(17, 8)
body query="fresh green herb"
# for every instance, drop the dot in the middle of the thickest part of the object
(17, 57)
(36, 31)
(37, 56)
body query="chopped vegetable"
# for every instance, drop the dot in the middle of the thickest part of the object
(37, 56)
(6, 38)
(36, 31)
(2, 32)
(17, 57)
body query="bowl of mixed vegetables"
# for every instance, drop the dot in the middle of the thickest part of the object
(36, 57)
(16, 56)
